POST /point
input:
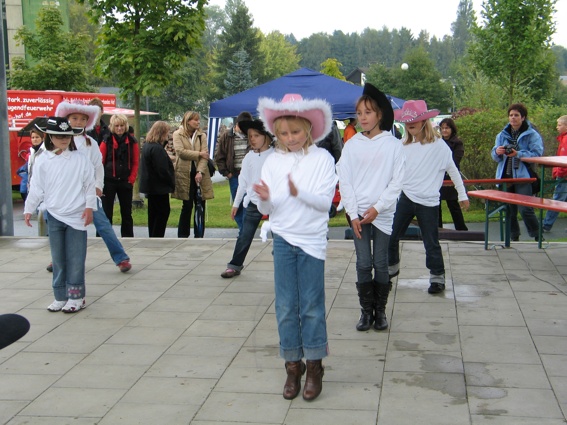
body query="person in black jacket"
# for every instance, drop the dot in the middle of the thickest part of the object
(120, 156)
(157, 178)
(448, 193)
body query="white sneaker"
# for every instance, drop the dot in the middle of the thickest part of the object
(73, 306)
(56, 305)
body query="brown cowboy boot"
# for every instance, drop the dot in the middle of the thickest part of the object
(314, 380)
(293, 382)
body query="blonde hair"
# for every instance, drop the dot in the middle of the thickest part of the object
(158, 133)
(118, 119)
(303, 123)
(562, 119)
(189, 115)
(429, 134)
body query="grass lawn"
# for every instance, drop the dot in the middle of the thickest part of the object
(218, 211)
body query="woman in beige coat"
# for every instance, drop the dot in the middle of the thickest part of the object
(191, 170)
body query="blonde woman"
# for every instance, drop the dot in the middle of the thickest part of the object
(120, 156)
(191, 171)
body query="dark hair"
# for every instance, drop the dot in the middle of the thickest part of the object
(451, 124)
(243, 116)
(520, 107)
(97, 102)
(50, 146)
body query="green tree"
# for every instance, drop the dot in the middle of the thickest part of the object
(58, 56)
(143, 43)
(332, 68)
(462, 27)
(238, 74)
(511, 46)
(422, 81)
(280, 56)
(239, 34)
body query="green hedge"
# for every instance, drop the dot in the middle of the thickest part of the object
(478, 132)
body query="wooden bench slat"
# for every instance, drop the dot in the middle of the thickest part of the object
(469, 182)
(517, 199)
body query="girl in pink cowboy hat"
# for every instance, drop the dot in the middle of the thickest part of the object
(427, 159)
(370, 200)
(296, 190)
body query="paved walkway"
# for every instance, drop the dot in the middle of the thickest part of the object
(171, 342)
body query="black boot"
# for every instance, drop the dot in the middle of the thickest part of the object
(366, 299)
(381, 293)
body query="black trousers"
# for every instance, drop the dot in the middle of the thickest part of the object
(456, 214)
(158, 214)
(124, 190)
(184, 226)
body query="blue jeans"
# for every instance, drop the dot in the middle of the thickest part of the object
(68, 254)
(106, 232)
(251, 220)
(427, 218)
(560, 194)
(239, 216)
(372, 253)
(300, 302)
(527, 213)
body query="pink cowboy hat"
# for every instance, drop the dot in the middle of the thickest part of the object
(64, 109)
(413, 111)
(317, 111)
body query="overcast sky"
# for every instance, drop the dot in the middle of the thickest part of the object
(305, 17)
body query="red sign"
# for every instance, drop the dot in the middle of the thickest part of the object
(29, 104)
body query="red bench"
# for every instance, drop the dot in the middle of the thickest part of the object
(507, 198)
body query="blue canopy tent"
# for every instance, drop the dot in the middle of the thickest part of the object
(308, 83)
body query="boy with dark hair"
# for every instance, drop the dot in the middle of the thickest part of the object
(231, 149)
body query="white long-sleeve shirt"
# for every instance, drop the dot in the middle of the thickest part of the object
(301, 220)
(94, 155)
(65, 184)
(371, 173)
(425, 169)
(250, 174)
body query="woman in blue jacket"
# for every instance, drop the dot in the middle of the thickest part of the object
(516, 141)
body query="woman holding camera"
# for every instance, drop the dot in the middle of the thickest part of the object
(518, 140)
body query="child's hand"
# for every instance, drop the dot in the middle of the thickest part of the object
(464, 204)
(292, 187)
(27, 218)
(87, 216)
(369, 216)
(233, 212)
(356, 227)
(262, 190)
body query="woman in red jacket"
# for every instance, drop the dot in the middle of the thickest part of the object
(120, 156)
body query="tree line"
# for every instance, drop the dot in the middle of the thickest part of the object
(183, 55)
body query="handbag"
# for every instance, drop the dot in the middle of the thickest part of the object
(211, 166)
(536, 186)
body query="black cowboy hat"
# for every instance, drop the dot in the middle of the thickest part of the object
(257, 125)
(384, 104)
(59, 126)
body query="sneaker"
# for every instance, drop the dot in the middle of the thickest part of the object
(436, 288)
(49, 268)
(546, 229)
(75, 305)
(228, 273)
(56, 305)
(124, 266)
